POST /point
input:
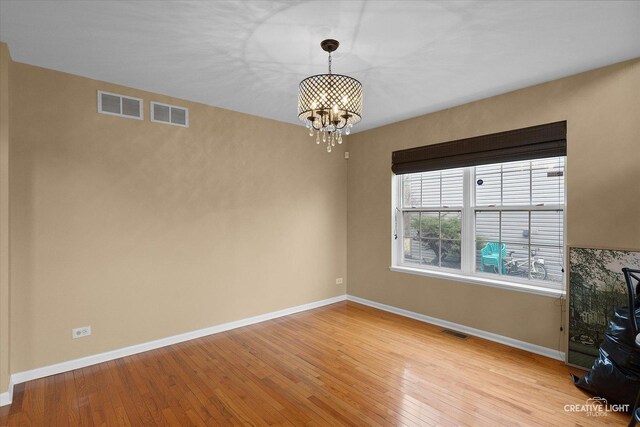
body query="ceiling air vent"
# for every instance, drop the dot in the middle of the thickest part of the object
(119, 105)
(170, 114)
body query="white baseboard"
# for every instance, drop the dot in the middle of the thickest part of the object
(20, 377)
(6, 397)
(532, 348)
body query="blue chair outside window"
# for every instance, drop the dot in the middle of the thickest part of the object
(492, 254)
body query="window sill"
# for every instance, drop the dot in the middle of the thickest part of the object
(502, 284)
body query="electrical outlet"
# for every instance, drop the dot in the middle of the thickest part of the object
(339, 281)
(84, 331)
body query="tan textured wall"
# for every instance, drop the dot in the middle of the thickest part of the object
(5, 61)
(602, 109)
(144, 230)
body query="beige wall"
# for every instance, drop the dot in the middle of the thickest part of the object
(602, 109)
(144, 230)
(5, 60)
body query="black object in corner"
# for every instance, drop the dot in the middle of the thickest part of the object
(615, 374)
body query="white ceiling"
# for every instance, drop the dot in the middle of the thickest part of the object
(412, 57)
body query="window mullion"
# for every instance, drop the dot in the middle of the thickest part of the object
(435, 210)
(419, 237)
(468, 222)
(440, 230)
(550, 208)
(529, 246)
(397, 225)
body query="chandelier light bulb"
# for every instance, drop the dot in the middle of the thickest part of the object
(310, 131)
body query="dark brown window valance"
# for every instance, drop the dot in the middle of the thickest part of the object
(535, 142)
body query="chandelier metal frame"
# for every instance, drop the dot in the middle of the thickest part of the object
(329, 103)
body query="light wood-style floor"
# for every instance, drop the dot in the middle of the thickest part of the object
(341, 364)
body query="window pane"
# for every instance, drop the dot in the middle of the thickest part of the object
(452, 180)
(487, 227)
(515, 236)
(488, 186)
(430, 225)
(450, 245)
(451, 225)
(487, 240)
(516, 188)
(411, 242)
(451, 254)
(430, 252)
(547, 181)
(431, 189)
(553, 260)
(411, 190)
(516, 262)
(515, 227)
(546, 228)
(547, 241)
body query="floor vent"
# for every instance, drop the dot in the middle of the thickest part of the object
(455, 334)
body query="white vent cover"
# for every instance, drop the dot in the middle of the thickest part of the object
(170, 114)
(119, 105)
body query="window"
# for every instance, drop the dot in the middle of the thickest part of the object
(501, 221)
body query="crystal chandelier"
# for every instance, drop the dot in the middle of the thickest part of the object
(329, 104)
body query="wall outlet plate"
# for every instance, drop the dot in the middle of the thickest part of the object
(339, 281)
(83, 331)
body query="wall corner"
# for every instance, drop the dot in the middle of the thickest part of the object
(5, 64)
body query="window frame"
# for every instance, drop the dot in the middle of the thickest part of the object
(467, 272)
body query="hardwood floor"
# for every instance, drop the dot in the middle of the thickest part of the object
(340, 364)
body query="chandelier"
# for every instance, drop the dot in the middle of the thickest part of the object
(329, 104)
